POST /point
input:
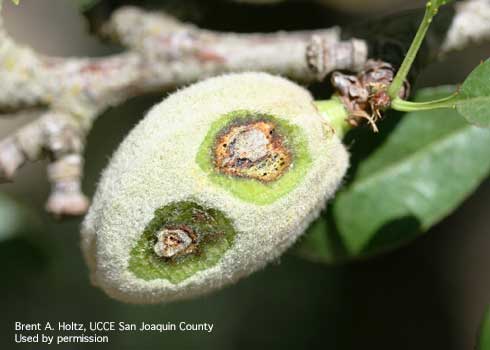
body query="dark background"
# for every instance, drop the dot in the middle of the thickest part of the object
(428, 295)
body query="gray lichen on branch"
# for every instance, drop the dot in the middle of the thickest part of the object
(181, 53)
(161, 53)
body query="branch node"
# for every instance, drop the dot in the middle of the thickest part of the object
(66, 197)
(323, 56)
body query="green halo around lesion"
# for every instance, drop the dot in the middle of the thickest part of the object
(253, 190)
(216, 235)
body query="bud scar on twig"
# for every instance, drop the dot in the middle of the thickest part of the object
(252, 149)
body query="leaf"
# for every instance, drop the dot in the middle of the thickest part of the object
(474, 99)
(484, 335)
(416, 175)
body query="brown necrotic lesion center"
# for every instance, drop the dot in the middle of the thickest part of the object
(176, 241)
(252, 149)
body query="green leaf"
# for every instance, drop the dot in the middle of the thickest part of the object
(472, 101)
(417, 174)
(474, 98)
(484, 336)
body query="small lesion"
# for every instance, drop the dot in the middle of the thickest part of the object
(172, 242)
(252, 149)
(180, 240)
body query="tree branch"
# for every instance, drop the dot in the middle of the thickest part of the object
(470, 25)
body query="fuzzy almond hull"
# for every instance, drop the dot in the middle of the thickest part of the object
(158, 164)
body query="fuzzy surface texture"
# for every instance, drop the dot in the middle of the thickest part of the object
(156, 166)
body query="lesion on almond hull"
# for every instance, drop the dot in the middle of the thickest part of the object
(252, 149)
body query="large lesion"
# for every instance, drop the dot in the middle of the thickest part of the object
(252, 148)
(256, 156)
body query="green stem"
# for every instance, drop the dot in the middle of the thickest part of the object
(407, 106)
(336, 114)
(430, 11)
